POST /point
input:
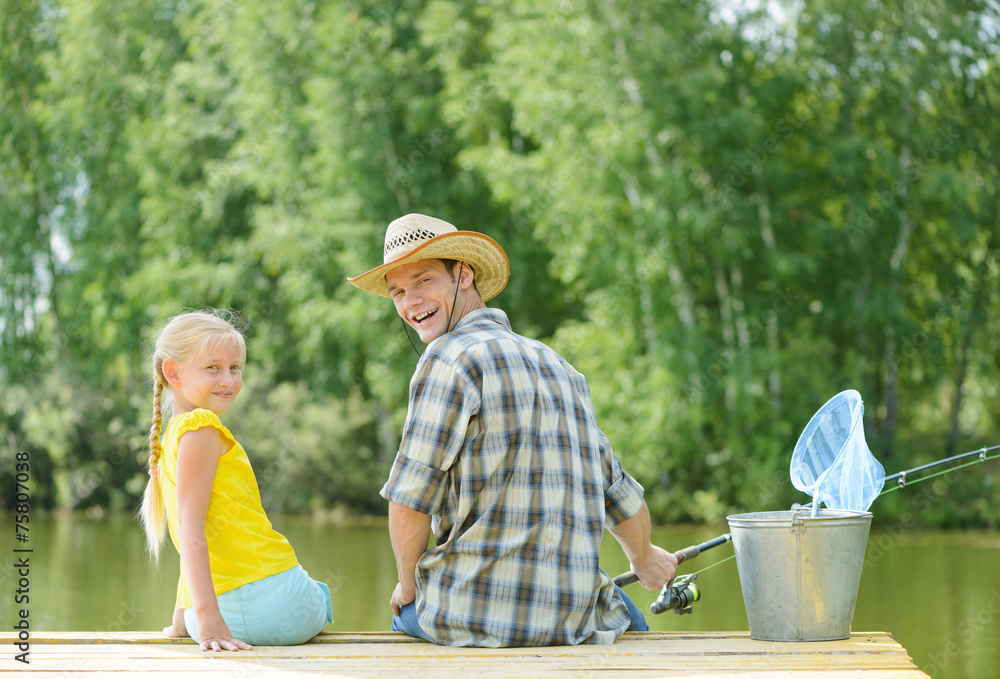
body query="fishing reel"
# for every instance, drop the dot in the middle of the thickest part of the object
(677, 595)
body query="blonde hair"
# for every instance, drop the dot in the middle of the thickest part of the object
(183, 338)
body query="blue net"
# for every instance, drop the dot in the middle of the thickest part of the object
(831, 461)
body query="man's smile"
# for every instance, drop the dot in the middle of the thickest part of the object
(420, 318)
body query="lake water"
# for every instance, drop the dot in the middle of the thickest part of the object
(937, 593)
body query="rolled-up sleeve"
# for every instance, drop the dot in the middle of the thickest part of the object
(415, 485)
(623, 495)
(442, 401)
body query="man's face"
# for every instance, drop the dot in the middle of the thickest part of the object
(423, 292)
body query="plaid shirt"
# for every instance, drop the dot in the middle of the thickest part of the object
(502, 449)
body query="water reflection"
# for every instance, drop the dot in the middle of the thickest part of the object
(937, 593)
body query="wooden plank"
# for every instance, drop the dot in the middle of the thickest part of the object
(858, 642)
(462, 664)
(638, 650)
(498, 673)
(476, 656)
(377, 654)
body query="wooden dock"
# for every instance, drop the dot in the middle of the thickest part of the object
(393, 655)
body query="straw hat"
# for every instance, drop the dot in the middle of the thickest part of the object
(414, 236)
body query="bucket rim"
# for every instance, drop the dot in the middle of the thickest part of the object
(803, 514)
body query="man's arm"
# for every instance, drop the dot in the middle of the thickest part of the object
(409, 532)
(654, 565)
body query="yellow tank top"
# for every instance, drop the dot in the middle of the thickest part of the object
(242, 545)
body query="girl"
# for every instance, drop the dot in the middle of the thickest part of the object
(240, 582)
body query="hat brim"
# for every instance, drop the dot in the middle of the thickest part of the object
(482, 253)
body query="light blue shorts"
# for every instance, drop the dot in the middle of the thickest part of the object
(280, 610)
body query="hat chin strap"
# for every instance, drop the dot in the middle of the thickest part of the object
(454, 300)
(458, 284)
(406, 329)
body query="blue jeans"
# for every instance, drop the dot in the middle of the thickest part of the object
(638, 623)
(406, 621)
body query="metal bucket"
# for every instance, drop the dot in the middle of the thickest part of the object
(800, 573)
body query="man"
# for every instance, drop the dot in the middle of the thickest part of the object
(501, 454)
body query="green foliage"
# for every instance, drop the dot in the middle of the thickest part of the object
(307, 454)
(720, 216)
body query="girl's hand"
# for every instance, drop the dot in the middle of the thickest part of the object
(177, 629)
(215, 635)
(226, 643)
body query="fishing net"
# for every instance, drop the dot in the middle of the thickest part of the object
(831, 461)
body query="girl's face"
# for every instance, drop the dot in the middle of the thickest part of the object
(211, 380)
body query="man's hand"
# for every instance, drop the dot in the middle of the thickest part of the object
(657, 569)
(409, 532)
(654, 565)
(401, 597)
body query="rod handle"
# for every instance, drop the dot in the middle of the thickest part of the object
(628, 577)
(686, 554)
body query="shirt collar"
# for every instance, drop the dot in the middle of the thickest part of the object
(481, 316)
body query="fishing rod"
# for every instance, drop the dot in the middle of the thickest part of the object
(678, 594)
(900, 477)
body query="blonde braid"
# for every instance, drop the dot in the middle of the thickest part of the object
(155, 450)
(152, 514)
(180, 340)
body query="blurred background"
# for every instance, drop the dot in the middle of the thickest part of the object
(721, 216)
(721, 213)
